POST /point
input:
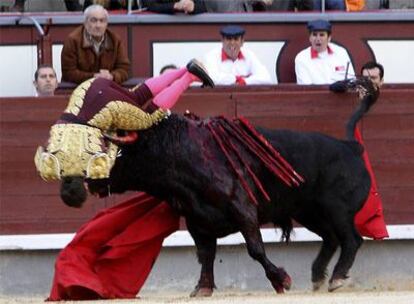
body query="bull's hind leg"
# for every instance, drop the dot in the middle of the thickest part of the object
(278, 277)
(206, 253)
(320, 264)
(350, 241)
(315, 222)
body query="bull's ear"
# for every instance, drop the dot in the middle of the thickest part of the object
(98, 166)
(47, 165)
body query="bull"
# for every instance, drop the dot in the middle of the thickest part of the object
(180, 160)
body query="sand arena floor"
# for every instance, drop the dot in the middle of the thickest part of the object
(339, 297)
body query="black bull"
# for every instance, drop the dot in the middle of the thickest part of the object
(179, 161)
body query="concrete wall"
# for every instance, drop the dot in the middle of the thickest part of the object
(385, 265)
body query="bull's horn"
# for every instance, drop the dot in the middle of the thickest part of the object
(129, 138)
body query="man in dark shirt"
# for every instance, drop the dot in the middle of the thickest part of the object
(71, 5)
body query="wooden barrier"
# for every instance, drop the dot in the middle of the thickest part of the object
(29, 205)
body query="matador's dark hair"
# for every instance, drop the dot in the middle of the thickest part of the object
(73, 192)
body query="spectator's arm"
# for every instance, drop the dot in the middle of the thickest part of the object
(69, 61)
(259, 73)
(159, 6)
(162, 7)
(303, 75)
(199, 7)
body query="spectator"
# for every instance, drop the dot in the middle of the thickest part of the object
(45, 81)
(233, 64)
(330, 5)
(109, 4)
(167, 68)
(71, 5)
(226, 6)
(374, 71)
(174, 6)
(322, 62)
(202, 6)
(354, 5)
(301, 5)
(291, 5)
(92, 50)
(400, 4)
(261, 5)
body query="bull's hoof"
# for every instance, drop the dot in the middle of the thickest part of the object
(201, 292)
(318, 284)
(318, 281)
(338, 283)
(279, 289)
(284, 285)
(287, 282)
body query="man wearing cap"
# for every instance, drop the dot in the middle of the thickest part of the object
(323, 62)
(233, 64)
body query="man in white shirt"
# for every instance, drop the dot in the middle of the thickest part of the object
(233, 64)
(323, 62)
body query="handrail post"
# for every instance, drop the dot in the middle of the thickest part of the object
(129, 6)
(44, 50)
(43, 43)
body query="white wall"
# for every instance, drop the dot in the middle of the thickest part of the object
(397, 58)
(56, 50)
(17, 67)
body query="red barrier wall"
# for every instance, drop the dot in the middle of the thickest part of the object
(29, 205)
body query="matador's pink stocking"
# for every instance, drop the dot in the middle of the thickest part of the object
(167, 98)
(159, 83)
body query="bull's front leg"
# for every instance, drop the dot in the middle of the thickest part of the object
(206, 253)
(278, 277)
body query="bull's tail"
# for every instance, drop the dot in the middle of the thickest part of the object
(370, 95)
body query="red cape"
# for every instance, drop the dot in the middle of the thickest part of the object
(112, 255)
(370, 219)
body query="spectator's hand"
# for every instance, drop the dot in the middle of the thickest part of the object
(104, 74)
(104, 3)
(188, 6)
(179, 6)
(240, 80)
(266, 2)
